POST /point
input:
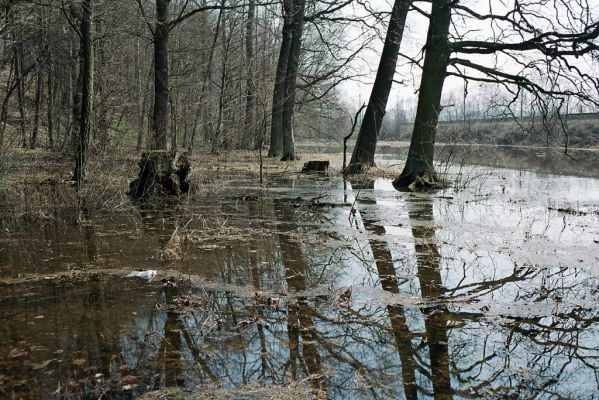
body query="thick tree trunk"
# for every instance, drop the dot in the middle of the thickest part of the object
(87, 92)
(278, 97)
(419, 171)
(249, 138)
(161, 88)
(297, 27)
(363, 155)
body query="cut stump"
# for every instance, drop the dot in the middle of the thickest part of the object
(316, 166)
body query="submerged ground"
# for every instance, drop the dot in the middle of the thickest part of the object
(305, 286)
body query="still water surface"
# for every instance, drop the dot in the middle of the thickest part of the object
(490, 291)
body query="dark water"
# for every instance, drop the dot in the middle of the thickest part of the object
(490, 291)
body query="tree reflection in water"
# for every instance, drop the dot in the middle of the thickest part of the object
(383, 260)
(431, 289)
(430, 318)
(299, 313)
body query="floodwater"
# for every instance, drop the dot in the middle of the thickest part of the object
(488, 289)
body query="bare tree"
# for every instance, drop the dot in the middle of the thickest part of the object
(364, 150)
(520, 37)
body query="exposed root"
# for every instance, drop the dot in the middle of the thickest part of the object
(419, 182)
(161, 172)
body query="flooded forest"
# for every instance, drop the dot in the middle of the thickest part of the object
(299, 199)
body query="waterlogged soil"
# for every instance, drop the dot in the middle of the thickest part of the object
(303, 287)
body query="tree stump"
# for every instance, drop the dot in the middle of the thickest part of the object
(316, 166)
(161, 172)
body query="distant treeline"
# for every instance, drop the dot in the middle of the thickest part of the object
(574, 130)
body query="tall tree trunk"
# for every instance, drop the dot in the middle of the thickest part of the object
(87, 92)
(18, 54)
(297, 27)
(365, 148)
(219, 135)
(419, 170)
(201, 112)
(249, 138)
(278, 97)
(76, 90)
(50, 100)
(37, 109)
(161, 89)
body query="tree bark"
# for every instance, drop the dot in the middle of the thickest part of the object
(37, 109)
(87, 92)
(18, 54)
(278, 97)
(76, 89)
(249, 138)
(419, 171)
(50, 101)
(161, 88)
(297, 27)
(365, 148)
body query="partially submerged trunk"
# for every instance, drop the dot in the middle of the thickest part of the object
(297, 28)
(419, 172)
(278, 97)
(161, 172)
(364, 150)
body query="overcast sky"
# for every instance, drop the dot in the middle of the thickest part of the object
(357, 93)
